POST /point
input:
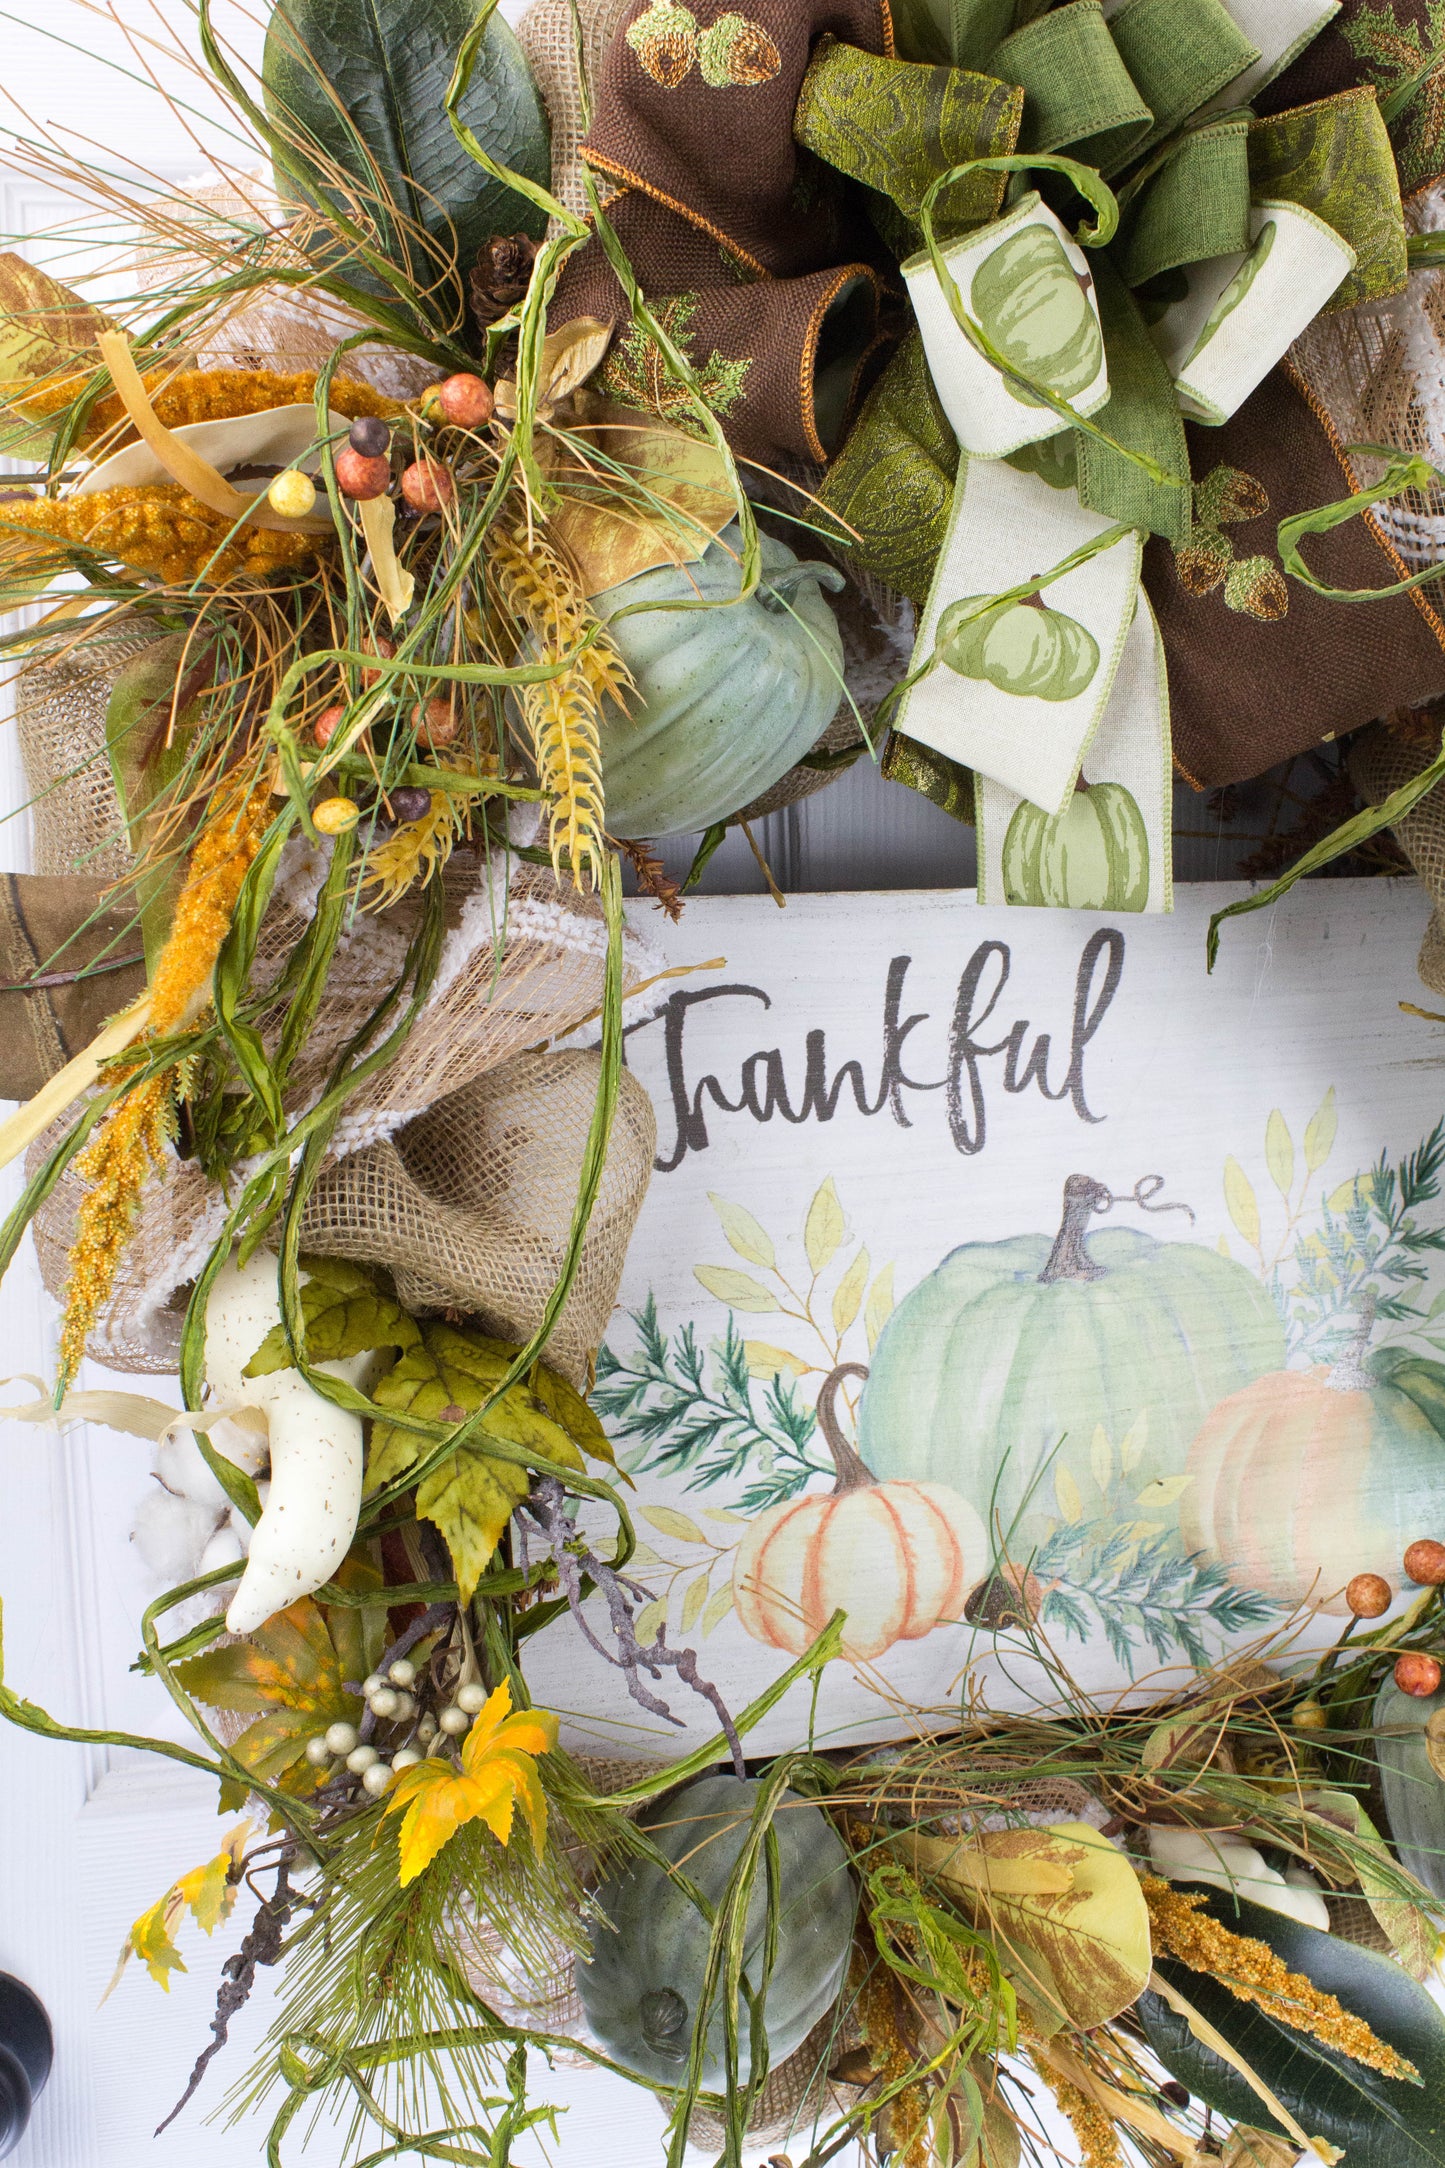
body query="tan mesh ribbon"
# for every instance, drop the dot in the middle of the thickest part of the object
(1381, 759)
(60, 714)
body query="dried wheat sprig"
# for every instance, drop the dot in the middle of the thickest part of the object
(1252, 1972)
(1093, 2126)
(414, 852)
(132, 1139)
(158, 527)
(562, 715)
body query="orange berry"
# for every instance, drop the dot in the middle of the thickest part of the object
(1416, 1673)
(426, 486)
(1369, 1595)
(436, 722)
(1425, 1563)
(464, 400)
(360, 477)
(378, 645)
(326, 725)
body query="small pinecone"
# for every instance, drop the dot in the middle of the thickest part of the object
(501, 275)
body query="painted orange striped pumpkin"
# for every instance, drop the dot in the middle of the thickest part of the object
(897, 1557)
(1308, 1477)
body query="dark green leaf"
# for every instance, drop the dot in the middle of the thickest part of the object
(1379, 2122)
(347, 1313)
(359, 89)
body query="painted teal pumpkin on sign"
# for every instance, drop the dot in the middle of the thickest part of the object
(1030, 301)
(1094, 856)
(727, 699)
(1002, 1370)
(1022, 648)
(642, 1986)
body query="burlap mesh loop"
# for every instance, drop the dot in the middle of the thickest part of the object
(561, 38)
(1382, 759)
(60, 709)
(471, 1206)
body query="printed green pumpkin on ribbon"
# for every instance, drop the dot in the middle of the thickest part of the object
(1094, 856)
(727, 699)
(1023, 648)
(1035, 307)
(642, 1986)
(994, 1374)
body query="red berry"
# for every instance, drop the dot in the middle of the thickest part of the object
(1425, 1563)
(360, 477)
(1369, 1595)
(326, 725)
(426, 486)
(1416, 1673)
(378, 645)
(437, 722)
(464, 400)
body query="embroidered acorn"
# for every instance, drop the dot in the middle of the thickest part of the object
(664, 38)
(1255, 586)
(735, 50)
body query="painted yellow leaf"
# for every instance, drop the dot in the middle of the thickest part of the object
(718, 1608)
(1162, 1492)
(1320, 1132)
(736, 1289)
(693, 1602)
(1242, 1203)
(824, 1228)
(1279, 1152)
(721, 1513)
(743, 1232)
(1133, 1442)
(848, 1295)
(1066, 1490)
(498, 1774)
(879, 1306)
(1101, 1457)
(1351, 1195)
(650, 1621)
(1079, 1954)
(765, 1361)
(1222, 1245)
(669, 1522)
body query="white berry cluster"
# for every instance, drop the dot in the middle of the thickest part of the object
(392, 1704)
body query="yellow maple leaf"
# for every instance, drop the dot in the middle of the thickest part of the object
(207, 1892)
(497, 1774)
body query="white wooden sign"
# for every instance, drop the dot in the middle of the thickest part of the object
(1011, 1283)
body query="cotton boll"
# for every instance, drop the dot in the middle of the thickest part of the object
(170, 1534)
(181, 1466)
(224, 1549)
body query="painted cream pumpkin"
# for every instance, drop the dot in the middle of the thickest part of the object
(1023, 648)
(1094, 856)
(899, 1558)
(1036, 309)
(1308, 1477)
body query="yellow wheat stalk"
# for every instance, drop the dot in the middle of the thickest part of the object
(132, 1138)
(562, 715)
(412, 853)
(208, 395)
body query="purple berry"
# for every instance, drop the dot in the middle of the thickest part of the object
(370, 436)
(410, 805)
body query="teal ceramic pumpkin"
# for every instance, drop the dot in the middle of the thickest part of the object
(1076, 1367)
(1414, 1794)
(641, 1988)
(727, 699)
(1094, 856)
(1022, 648)
(1030, 300)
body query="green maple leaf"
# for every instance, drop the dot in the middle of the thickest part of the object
(472, 1494)
(347, 1312)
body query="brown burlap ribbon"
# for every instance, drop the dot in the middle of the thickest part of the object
(68, 960)
(755, 256)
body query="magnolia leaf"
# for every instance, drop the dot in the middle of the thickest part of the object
(718, 1608)
(1380, 2121)
(1185, 1742)
(848, 1295)
(765, 1361)
(45, 330)
(1079, 1953)
(395, 585)
(669, 1522)
(879, 1306)
(1279, 1153)
(736, 1289)
(569, 356)
(1241, 1201)
(693, 1602)
(1435, 1743)
(743, 1232)
(1368, 1861)
(346, 1313)
(824, 1227)
(1320, 1132)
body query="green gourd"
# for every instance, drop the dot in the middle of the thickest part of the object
(1032, 304)
(1023, 648)
(1413, 1792)
(727, 699)
(642, 1985)
(1094, 856)
(1011, 1347)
